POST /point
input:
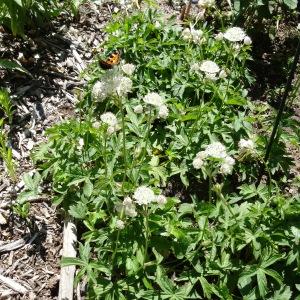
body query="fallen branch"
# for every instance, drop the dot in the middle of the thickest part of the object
(12, 284)
(66, 284)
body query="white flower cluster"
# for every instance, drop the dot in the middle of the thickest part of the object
(195, 35)
(120, 224)
(206, 3)
(113, 83)
(157, 101)
(218, 151)
(211, 70)
(246, 146)
(128, 207)
(237, 34)
(144, 196)
(111, 120)
(128, 69)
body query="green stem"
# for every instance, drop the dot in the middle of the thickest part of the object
(147, 235)
(124, 144)
(209, 187)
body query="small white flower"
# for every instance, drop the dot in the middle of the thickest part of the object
(161, 199)
(163, 112)
(211, 76)
(99, 91)
(186, 34)
(128, 69)
(219, 36)
(222, 74)
(157, 24)
(120, 224)
(298, 26)
(209, 66)
(128, 207)
(123, 85)
(96, 124)
(226, 169)
(138, 109)
(196, 35)
(80, 144)
(216, 150)
(153, 99)
(109, 119)
(206, 3)
(227, 165)
(195, 67)
(198, 163)
(247, 40)
(235, 34)
(246, 144)
(144, 195)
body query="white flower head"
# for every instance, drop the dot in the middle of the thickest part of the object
(211, 76)
(196, 35)
(138, 109)
(128, 207)
(235, 34)
(109, 118)
(247, 40)
(209, 66)
(153, 99)
(298, 26)
(80, 144)
(219, 36)
(206, 3)
(222, 74)
(198, 163)
(123, 85)
(120, 224)
(99, 91)
(246, 144)
(186, 34)
(161, 199)
(163, 112)
(96, 124)
(195, 67)
(216, 150)
(144, 195)
(128, 69)
(227, 165)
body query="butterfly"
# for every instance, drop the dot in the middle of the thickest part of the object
(112, 60)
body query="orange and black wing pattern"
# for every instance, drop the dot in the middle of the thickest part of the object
(112, 60)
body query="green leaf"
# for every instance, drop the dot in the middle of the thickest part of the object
(292, 4)
(262, 283)
(275, 275)
(207, 289)
(11, 65)
(71, 261)
(88, 188)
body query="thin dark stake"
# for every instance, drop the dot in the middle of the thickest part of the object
(281, 108)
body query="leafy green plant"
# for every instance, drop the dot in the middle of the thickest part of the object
(6, 153)
(19, 14)
(160, 168)
(6, 105)
(22, 210)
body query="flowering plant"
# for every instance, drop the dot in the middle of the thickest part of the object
(157, 171)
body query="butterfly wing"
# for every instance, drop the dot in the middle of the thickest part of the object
(111, 61)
